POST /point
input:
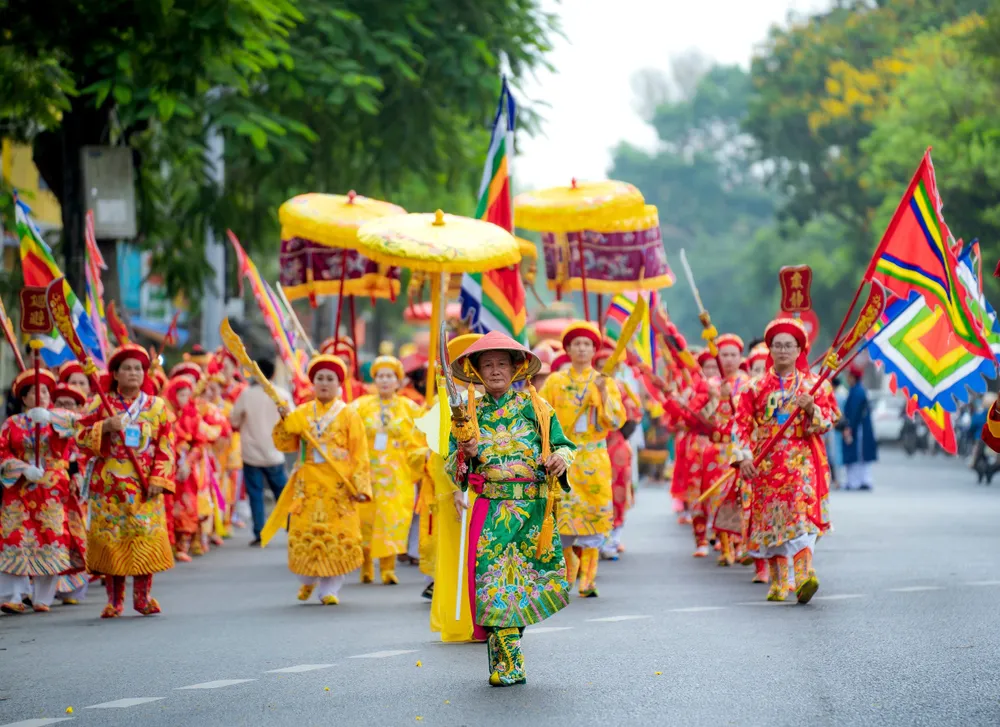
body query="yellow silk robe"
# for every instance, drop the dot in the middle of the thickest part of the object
(324, 533)
(396, 454)
(586, 418)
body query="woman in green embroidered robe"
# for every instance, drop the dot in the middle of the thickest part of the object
(514, 455)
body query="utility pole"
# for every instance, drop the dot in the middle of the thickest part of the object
(213, 305)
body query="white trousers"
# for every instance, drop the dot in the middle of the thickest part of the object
(413, 542)
(329, 586)
(787, 549)
(859, 473)
(583, 541)
(612, 542)
(14, 588)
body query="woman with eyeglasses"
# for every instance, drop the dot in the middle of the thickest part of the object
(788, 493)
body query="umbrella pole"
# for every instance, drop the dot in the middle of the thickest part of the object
(437, 303)
(354, 334)
(583, 276)
(340, 297)
(600, 308)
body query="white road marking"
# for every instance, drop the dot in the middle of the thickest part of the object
(383, 654)
(546, 629)
(37, 722)
(838, 597)
(983, 583)
(299, 668)
(217, 684)
(697, 609)
(915, 589)
(614, 619)
(122, 703)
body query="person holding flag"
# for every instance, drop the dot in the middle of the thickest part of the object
(788, 492)
(128, 526)
(34, 475)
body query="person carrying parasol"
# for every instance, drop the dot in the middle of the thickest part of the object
(514, 455)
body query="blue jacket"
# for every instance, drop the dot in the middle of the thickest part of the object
(858, 414)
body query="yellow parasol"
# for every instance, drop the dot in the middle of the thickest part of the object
(319, 234)
(441, 244)
(604, 225)
(580, 206)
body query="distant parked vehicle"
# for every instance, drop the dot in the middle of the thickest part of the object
(888, 418)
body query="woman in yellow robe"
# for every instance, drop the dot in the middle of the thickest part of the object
(588, 406)
(324, 530)
(396, 454)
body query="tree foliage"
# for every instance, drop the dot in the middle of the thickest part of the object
(390, 98)
(834, 116)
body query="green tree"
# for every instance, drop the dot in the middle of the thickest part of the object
(308, 97)
(820, 84)
(710, 202)
(944, 100)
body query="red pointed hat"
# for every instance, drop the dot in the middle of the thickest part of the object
(526, 363)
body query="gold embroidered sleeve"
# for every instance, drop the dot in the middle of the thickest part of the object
(284, 441)
(164, 462)
(357, 447)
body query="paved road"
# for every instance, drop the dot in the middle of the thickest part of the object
(903, 632)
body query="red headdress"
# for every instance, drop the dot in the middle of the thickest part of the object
(794, 328)
(581, 328)
(68, 369)
(729, 339)
(326, 362)
(27, 379)
(66, 390)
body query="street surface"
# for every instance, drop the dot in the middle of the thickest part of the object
(904, 631)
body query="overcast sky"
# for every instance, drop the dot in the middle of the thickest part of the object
(591, 104)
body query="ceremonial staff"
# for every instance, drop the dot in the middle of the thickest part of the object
(235, 346)
(464, 431)
(62, 317)
(8, 332)
(296, 322)
(837, 358)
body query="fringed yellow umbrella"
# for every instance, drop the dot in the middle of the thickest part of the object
(319, 234)
(598, 237)
(440, 244)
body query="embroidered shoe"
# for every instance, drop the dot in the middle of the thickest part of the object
(389, 579)
(807, 589)
(305, 592)
(111, 611)
(701, 551)
(330, 600)
(13, 608)
(39, 608)
(151, 608)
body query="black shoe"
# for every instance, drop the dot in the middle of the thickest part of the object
(865, 487)
(255, 543)
(428, 592)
